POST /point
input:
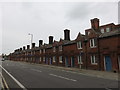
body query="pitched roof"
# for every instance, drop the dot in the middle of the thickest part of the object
(112, 33)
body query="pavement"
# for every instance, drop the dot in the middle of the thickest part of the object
(31, 76)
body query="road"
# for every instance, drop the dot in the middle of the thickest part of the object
(32, 76)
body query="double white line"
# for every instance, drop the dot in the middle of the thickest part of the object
(14, 79)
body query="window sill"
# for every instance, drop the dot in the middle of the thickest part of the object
(80, 63)
(79, 48)
(94, 63)
(93, 47)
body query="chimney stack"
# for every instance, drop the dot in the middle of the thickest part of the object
(66, 34)
(50, 39)
(23, 47)
(33, 45)
(40, 42)
(20, 49)
(28, 46)
(95, 23)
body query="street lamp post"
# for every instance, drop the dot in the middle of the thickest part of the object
(31, 38)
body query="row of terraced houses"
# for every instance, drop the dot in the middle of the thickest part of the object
(98, 49)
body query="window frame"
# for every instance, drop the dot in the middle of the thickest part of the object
(107, 29)
(102, 30)
(54, 59)
(54, 49)
(60, 48)
(93, 59)
(44, 50)
(60, 59)
(79, 44)
(40, 51)
(93, 43)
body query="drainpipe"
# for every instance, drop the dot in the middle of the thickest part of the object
(85, 42)
(99, 59)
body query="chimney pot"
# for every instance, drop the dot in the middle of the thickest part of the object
(20, 49)
(28, 46)
(23, 47)
(40, 42)
(33, 45)
(50, 39)
(66, 34)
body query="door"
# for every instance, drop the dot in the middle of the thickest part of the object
(66, 61)
(50, 60)
(72, 61)
(46, 60)
(108, 64)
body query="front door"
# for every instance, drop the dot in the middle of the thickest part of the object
(66, 61)
(46, 61)
(108, 64)
(72, 61)
(50, 60)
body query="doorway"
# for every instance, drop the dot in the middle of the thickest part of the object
(108, 64)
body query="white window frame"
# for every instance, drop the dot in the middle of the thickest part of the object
(102, 30)
(80, 59)
(60, 48)
(88, 32)
(43, 59)
(107, 29)
(60, 59)
(79, 45)
(40, 59)
(92, 43)
(93, 59)
(54, 59)
(43, 50)
(40, 51)
(54, 49)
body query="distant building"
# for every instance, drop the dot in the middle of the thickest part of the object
(98, 49)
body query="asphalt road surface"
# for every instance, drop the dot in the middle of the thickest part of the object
(25, 75)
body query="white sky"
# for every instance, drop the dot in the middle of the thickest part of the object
(43, 19)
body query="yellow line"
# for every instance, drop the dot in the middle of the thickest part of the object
(4, 82)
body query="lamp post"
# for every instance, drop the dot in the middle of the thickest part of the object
(31, 38)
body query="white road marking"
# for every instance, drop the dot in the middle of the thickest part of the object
(14, 79)
(36, 70)
(63, 77)
(108, 88)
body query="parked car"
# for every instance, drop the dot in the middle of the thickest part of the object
(3, 59)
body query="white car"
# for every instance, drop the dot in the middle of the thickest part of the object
(3, 59)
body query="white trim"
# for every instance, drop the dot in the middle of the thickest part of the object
(104, 64)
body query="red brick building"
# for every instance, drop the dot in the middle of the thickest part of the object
(98, 49)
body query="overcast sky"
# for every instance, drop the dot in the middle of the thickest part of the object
(43, 19)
